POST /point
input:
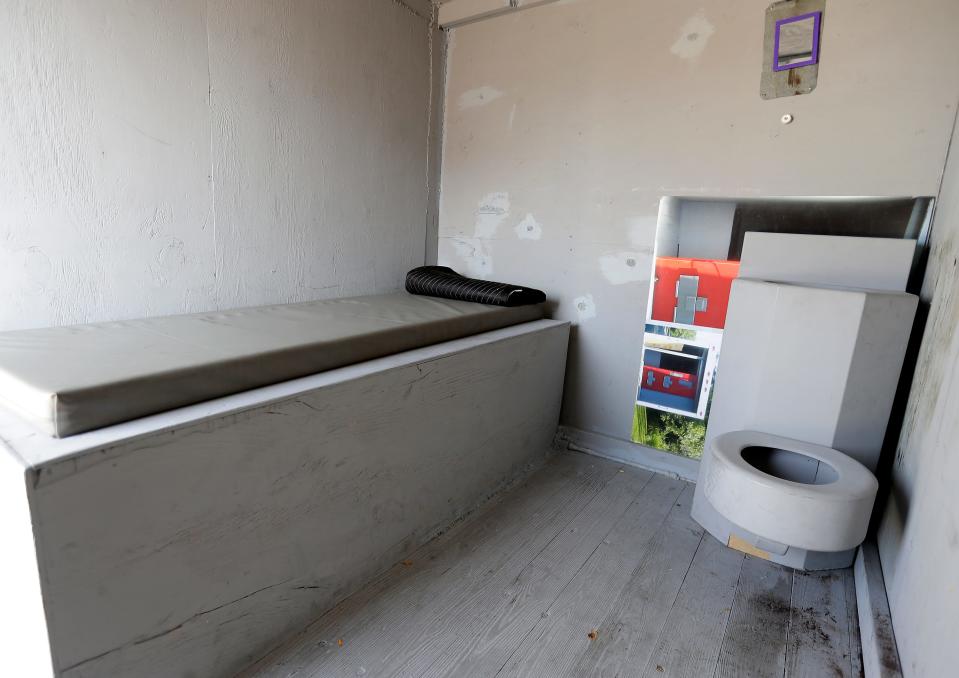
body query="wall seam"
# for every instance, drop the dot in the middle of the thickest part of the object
(209, 101)
(945, 160)
(430, 210)
(441, 136)
(413, 11)
(942, 177)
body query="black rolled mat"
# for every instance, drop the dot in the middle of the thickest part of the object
(440, 281)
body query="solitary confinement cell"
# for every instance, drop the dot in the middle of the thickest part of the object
(479, 338)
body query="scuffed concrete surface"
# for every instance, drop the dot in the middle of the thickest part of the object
(610, 104)
(203, 154)
(919, 533)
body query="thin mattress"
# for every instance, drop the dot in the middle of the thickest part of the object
(68, 380)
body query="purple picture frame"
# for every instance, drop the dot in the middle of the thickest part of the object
(817, 19)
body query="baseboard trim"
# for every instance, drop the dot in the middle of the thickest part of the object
(880, 656)
(627, 452)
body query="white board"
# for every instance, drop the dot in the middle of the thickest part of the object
(829, 260)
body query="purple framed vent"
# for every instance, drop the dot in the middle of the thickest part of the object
(795, 42)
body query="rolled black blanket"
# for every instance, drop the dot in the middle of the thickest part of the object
(440, 281)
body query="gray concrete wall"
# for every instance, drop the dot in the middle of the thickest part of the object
(919, 533)
(203, 154)
(566, 123)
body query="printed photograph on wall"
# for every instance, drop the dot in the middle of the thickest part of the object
(686, 312)
(696, 259)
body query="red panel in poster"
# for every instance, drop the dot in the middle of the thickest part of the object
(702, 285)
(668, 381)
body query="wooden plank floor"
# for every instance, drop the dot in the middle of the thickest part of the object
(588, 568)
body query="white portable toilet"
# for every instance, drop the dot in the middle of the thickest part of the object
(806, 381)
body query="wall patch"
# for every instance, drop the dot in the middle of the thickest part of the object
(472, 251)
(479, 97)
(693, 37)
(625, 267)
(528, 228)
(492, 211)
(585, 307)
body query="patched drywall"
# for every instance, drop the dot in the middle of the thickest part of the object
(607, 105)
(919, 533)
(479, 97)
(693, 37)
(205, 154)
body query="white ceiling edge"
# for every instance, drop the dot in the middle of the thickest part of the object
(454, 13)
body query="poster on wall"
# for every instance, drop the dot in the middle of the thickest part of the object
(686, 311)
(681, 346)
(696, 259)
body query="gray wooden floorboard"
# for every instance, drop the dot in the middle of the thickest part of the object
(562, 480)
(819, 630)
(576, 618)
(364, 635)
(627, 636)
(497, 617)
(852, 620)
(689, 643)
(754, 645)
(586, 569)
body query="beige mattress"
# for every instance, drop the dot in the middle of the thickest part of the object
(68, 380)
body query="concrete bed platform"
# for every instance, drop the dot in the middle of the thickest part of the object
(193, 541)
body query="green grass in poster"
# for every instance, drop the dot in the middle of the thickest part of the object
(674, 433)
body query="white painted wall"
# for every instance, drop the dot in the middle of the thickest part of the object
(919, 534)
(26, 643)
(203, 154)
(581, 114)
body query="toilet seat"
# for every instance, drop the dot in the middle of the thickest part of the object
(828, 517)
